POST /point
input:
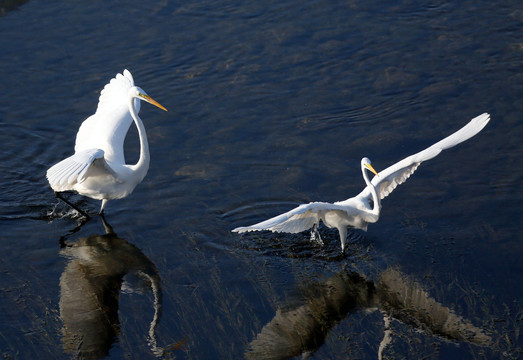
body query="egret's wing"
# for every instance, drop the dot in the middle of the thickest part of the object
(107, 128)
(297, 220)
(398, 173)
(70, 171)
(114, 94)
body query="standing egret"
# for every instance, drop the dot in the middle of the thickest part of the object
(98, 169)
(357, 211)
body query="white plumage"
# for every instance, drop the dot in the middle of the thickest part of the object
(357, 211)
(97, 169)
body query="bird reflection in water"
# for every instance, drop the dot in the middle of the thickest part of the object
(303, 329)
(89, 292)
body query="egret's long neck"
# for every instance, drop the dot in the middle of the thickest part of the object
(375, 197)
(142, 165)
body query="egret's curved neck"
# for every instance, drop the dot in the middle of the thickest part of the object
(375, 197)
(142, 165)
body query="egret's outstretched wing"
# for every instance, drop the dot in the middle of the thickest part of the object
(398, 173)
(297, 220)
(68, 172)
(107, 128)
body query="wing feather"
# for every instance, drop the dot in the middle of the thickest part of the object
(108, 127)
(114, 94)
(299, 219)
(398, 173)
(66, 173)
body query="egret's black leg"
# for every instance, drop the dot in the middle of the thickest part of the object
(387, 335)
(108, 228)
(63, 238)
(83, 213)
(315, 235)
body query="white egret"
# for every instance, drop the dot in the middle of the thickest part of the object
(357, 211)
(98, 169)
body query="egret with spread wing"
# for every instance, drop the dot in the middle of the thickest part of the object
(98, 169)
(365, 207)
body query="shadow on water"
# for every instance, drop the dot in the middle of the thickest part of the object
(10, 5)
(90, 287)
(302, 329)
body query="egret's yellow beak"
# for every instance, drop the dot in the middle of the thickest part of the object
(369, 166)
(150, 100)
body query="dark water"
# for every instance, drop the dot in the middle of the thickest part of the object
(270, 104)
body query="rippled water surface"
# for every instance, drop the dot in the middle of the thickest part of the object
(271, 104)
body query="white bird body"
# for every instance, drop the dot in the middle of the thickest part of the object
(357, 211)
(98, 169)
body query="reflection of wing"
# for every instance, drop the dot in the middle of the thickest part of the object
(68, 172)
(301, 329)
(398, 173)
(107, 128)
(408, 302)
(297, 220)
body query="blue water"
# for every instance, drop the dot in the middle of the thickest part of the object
(271, 104)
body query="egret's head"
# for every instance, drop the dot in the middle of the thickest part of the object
(139, 93)
(365, 163)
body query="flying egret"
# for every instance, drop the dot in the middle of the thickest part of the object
(98, 169)
(357, 211)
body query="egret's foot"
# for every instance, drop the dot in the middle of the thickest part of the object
(80, 211)
(315, 236)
